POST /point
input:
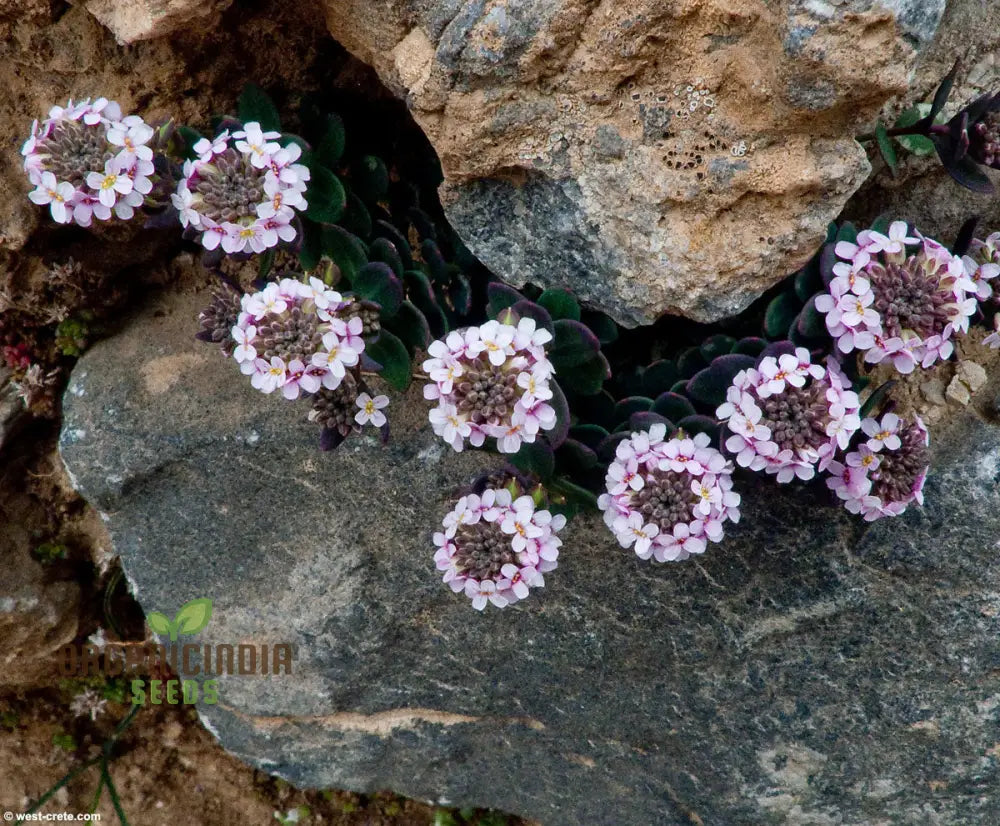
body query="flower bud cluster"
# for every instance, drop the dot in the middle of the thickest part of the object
(242, 191)
(292, 336)
(491, 381)
(898, 297)
(668, 499)
(495, 547)
(886, 472)
(788, 416)
(87, 161)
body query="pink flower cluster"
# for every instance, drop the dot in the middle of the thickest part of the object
(668, 499)
(495, 548)
(289, 337)
(242, 190)
(898, 305)
(885, 473)
(982, 264)
(788, 416)
(491, 381)
(86, 161)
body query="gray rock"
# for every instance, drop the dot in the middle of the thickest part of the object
(809, 670)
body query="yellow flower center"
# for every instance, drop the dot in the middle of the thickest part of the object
(109, 181)
(246, 232)
(369, 407)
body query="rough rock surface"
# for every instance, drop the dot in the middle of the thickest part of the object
(922, 192)
(38, 614)
(807, 671)
(653, 157)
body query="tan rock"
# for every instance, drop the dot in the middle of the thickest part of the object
(933, 391)
(957, 392)
(972, 375)
(653, 157)
(132, 20)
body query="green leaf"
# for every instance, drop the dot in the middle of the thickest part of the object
(915, 144)
(382, 249)
(377, 282)
(709, 386)
(536, 458)
(370, 178)
(391, 353)
(560, 304)
(717, 345)
(193, 616)
(603, 326)
(346, 250)
(690, 361)
(572, 345)
(886, 148)
(590, 435)
(312, 244)
(811, 322)
(411, 326)
(421, 293)
(847, 232)
(158, 623)
(190, 138)
(330, 149)
(266, 262)
(658, 377)
(256, 105)
(500, 297)
(780, 314)
(673, 406)
(632, 404)
(356, 217)
(573, 492)
(587, 378)
(326, 196)
(876, 398)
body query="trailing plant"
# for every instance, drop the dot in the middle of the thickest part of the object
(967, 142)
(332, 274)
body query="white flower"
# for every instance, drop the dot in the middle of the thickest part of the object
(259, 145)
(54, 193)
(110, 184)
(371, 410)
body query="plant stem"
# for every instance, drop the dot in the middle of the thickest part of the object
(113, 792)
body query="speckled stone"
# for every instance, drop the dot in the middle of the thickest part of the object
(809, 670)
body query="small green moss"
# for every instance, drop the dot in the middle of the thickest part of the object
(49, 552)
(64, 740)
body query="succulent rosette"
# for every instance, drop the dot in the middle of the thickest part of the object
(668, 499)
(495, 548)
(788, 416)
(491, 381)
(242, 191)
(297, 337)
(886, 472)
(86, 161)
(897, 297)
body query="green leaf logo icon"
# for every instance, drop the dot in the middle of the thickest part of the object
(191, 618)
(160, 623)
